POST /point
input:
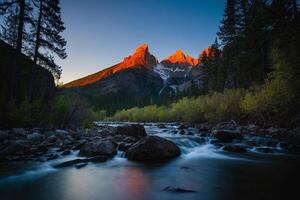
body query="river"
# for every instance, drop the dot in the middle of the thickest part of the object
(203, 171)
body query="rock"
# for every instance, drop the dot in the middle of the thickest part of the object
(231, 125)
(61, 134)
(252, 127)
(227, 135)
(78, 144)
(52, 156)
(52, 139)
(19, 131)
(264, 149)
(67, 152)
(151, 148)
(161, 126)
(49, 133)
(80, 165)
(178, 190)
(133, 130)
(181, 132)
(35, 137)
(276, 132)
(182, 126)
(98, 159)
(15, 146)
(71, 163)
(100, 147)
(204, 127)
(234, 148)
(3, 136)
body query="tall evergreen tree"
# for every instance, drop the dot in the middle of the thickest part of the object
(48, 40)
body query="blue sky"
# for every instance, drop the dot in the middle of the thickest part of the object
(100, 33)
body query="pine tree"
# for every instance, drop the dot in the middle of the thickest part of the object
(48, 40)
(9, 28)
(23, 17)
(228, 34)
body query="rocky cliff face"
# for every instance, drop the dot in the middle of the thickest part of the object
(180, 59)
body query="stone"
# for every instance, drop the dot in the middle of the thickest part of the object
(133, 130)
(36, 137)
(227, 135)
(152, 148)
(235, 148)
(99, 147)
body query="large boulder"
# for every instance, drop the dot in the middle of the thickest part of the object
(99, 148)
(227, 135)
(133, 130)
(151, 148)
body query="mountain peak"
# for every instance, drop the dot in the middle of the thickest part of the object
(180, 58)
(141, 56)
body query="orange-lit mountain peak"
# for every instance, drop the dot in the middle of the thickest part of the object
(208, 53)
(180, 58)
(141, 56)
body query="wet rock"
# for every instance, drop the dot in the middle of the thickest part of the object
(3, 136)
(181, 132)
(52, 156)
(234, 148)
(133, 130)
(80, 165)
(67, 152)
(61, 134)
(204, 127)
(15, 146)
(78, 144)
(19, 131)
(124, 146)
(71, 163)
(151, 148)
(52, 139)
(161, 126)
(231, 125)
(227, 135)
(264, 149)
(36, 137)
(182, 126)
(99, 147)
(178, 190)
(98, 159)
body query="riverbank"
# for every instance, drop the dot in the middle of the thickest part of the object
(107, 138)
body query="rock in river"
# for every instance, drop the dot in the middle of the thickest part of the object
(99, 147)
(151, 148)
(133, 130)
(227, 135)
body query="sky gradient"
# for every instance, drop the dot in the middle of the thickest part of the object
(100, 33)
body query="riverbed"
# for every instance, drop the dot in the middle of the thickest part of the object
(202, 171)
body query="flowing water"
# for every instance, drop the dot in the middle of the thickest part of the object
(203, 171)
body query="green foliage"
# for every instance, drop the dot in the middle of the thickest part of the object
(213, 107)
(73, 111)
(279, 97)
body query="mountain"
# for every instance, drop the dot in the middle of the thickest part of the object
(140, 58)
(139, 79)
(180, 59)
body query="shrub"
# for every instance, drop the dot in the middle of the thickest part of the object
(73, 111)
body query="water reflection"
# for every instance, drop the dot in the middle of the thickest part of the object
(115, 183)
